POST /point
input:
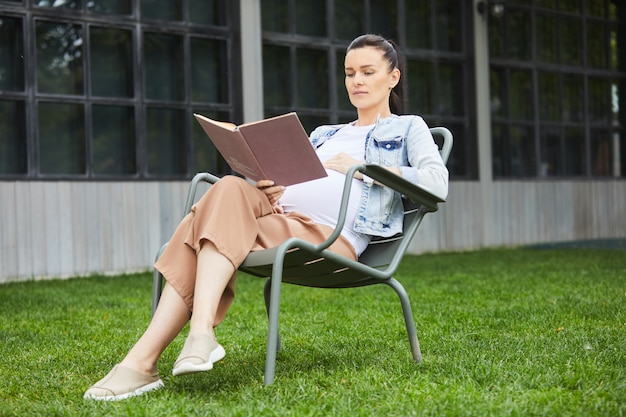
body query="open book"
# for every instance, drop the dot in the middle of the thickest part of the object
(276, 149)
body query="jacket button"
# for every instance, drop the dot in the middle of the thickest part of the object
(388, 146)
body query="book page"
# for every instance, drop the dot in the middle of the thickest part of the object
(281, 146)
(234, 149)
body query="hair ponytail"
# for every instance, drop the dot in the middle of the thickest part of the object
(391, 54)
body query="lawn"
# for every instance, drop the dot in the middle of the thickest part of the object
(508, 332)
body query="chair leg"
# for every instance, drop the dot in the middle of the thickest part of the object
(266, 294)
(408, 318)
(272, 334)
(157, 289)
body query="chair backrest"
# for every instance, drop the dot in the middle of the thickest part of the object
(381, 251)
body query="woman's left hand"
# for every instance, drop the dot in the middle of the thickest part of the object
(341, 163)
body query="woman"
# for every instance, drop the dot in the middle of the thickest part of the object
(235, 217)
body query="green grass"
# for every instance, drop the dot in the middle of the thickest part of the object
(503, 332)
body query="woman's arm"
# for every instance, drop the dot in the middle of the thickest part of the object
(426, 166)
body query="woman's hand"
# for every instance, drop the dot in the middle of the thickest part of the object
(341, 163)
(273, 192)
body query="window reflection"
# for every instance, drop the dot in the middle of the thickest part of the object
(276, 76)
(59, 58)
(163, 67)
(110, 6)
(12, 137)
(349, 19)
(162, 9)
(113, 140)
(165, 141)
(311, 17)
(312, 78)
(61, 139)
(111, 62)
(209, 79)
(11, 55)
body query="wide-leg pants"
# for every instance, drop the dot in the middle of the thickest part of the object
(237, 218)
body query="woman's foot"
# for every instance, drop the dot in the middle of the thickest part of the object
(121, 383)
(199, 354)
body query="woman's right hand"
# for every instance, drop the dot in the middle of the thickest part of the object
(273, 192)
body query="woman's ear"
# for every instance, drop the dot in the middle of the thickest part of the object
(394, 78)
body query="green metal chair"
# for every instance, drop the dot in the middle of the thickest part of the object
(301, 263)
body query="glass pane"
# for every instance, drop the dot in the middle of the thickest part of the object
(63, 4)
(497, 90)
(312, 77)
(311, 122)
(549, 96)
(603, 147)
(573, 107)
(343, 100)
(595, 8)
(513, 151)
(448, 25)
(162, 9)
(348, 19)
(165, 143)
(547, 38)
(571, 41)
(275, 15)
(205, 157)
(421, 84)
(110, 6)
(113, 141)
(551, 153)
(418, 24)
(59, 58)
(596, 45)
(61, 138)
(575, 154)
(450, 90)
(518, 45)
(384, 18)
(111, 62)
(311, 17)
(209, 71)
(11, 55)
(615, 43)
(599, 100)
(163, 64)
(12, 137)
(208, 12)
(572, 6)
(276, 76)
(521, 95)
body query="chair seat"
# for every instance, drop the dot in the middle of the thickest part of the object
(307, 268)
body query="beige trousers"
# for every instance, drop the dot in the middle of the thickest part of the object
(237, 218)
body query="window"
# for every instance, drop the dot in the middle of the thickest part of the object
(303, 55)
(88, 109)
(556, 87)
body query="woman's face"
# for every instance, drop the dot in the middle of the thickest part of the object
(369, 79)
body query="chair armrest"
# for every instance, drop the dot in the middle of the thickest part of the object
(387, 178)
(409, 190)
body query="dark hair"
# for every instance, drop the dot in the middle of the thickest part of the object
(390, 51)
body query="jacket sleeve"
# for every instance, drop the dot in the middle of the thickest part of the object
(426, 166)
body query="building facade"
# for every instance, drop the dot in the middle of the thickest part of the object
(98, 140)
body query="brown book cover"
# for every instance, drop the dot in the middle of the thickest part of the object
(276, 149)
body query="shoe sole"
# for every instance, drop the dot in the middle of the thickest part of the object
(189, 368)
(139, 391)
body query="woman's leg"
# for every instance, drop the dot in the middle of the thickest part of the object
(169, 318)
(214, 271)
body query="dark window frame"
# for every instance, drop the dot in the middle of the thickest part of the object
(231, 108)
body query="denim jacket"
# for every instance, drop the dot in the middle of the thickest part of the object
(404, 142)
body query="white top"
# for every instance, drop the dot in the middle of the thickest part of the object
(320, 199)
